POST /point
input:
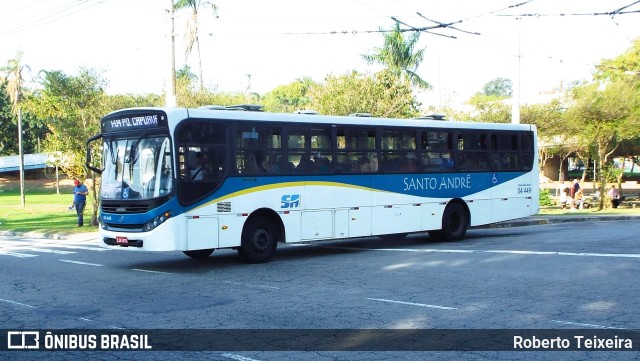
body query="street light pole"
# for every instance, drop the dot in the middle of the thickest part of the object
(170, 96)
(515, 109)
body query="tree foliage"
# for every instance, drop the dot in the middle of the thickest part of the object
(498, 87)
(625, 67)
(606, 116)
(290, 97)
(382, 95)
(490, 108)
(33, 129)
(72, 107)
(399, 56)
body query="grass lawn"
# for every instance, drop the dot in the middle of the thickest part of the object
(557, 211)
(44, 210)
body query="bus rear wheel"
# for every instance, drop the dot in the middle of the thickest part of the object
(259, 241)
(455, 222)
(199, 253)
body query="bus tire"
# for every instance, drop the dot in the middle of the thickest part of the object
(199, 253)
(259, 240)
(455, 221)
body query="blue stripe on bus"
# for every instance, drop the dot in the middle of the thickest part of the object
(444, 185)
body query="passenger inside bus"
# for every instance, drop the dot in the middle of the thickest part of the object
(306, 165)
(322, 164)
(196, 166)
(255, 163)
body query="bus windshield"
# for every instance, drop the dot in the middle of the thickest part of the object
(137, 168)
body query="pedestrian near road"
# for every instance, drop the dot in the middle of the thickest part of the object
(80, 192)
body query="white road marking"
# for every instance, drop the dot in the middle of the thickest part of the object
(96, 248)
(149, 271)
(16, 303)
(43, 245)
(238, 357)
(517, 252)
(412, 304)
(19, 255)
(587, 325)
(82, 263)
(46, 250)
(250, 285)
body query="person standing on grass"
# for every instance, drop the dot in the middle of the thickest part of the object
(80, 192)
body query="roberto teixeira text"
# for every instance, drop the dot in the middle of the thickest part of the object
(575, 342)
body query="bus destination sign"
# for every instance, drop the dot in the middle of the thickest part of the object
(133, 122)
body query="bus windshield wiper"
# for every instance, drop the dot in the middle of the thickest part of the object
(133, 151)
(114, 158)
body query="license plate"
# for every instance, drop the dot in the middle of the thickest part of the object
(123, 240)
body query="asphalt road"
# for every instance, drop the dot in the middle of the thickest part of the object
(553, 276)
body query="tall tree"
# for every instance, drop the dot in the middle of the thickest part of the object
(14, 82)
(8, 129)
(73, 106)
(607, 115)
(191, 36)
(399, 56)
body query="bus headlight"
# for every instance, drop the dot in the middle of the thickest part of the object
(103, 224)
(152, 224)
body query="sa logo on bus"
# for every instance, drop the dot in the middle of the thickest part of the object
(290, 201)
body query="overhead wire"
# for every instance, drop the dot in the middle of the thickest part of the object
(612, 13)
(426, 29)
(7, 13)
(47, 18)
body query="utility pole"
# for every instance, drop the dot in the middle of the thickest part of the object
(170, 97)
(21, 151)
(515, 108)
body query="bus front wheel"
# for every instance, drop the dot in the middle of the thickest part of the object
(259, 241)
(455, 222)
(199, 253)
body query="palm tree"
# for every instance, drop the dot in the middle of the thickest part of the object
(191, 36)
(399, 57)
(13, 78)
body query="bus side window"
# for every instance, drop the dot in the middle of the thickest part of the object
(356, 150)
(258, 149)
(436, 151)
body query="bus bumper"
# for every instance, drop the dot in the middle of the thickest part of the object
(164, 238)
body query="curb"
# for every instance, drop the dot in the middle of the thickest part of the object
(557, 219)
(56, 236)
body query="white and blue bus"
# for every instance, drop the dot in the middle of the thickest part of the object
(196, 180)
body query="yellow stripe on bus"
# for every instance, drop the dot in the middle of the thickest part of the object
(285, 185)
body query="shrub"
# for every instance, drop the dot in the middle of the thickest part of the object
(545, 198)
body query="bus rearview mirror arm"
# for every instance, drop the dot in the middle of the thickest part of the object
(88, 162)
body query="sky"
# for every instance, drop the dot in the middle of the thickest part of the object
(258, 45)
